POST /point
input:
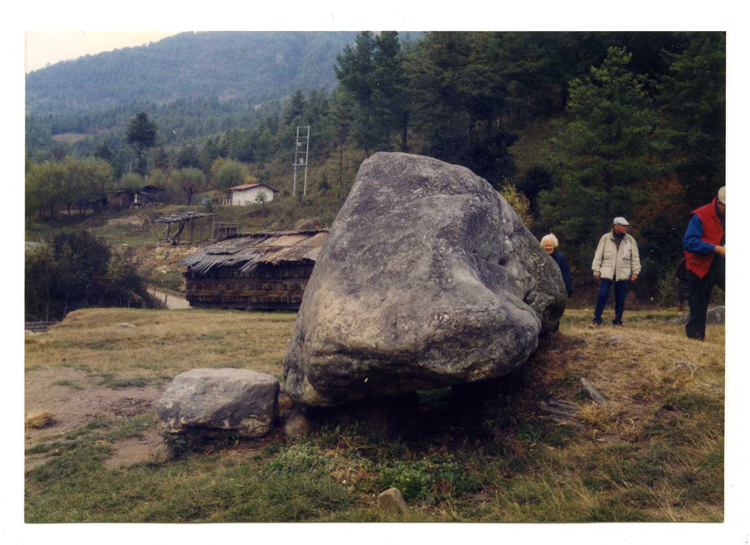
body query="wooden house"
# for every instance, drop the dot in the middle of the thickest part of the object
(149, 194)
(248, 193)
(262, 271)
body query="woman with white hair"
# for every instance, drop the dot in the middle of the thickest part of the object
(550, 244)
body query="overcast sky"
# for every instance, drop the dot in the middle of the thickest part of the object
(49, 47)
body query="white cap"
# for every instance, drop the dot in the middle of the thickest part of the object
(620, 221)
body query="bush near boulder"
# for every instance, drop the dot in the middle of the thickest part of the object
(69, 271)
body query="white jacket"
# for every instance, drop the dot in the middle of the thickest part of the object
(620, 264)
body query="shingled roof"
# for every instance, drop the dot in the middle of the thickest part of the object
(248, 251)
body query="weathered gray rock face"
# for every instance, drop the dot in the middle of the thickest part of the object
(428, 278)
(211, 400)
(714, 316)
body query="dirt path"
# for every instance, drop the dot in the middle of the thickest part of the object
(173, 301)
(76, 398)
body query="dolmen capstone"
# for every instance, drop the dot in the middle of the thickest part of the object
(428, 278)
(214, 401)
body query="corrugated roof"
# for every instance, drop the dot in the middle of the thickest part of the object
(282, 241)
(250, 250)
(186, 216)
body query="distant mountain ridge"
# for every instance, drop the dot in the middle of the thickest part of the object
(259, 66)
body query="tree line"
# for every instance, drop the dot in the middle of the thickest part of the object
(256, 66)
(638, 124)
(635, 127)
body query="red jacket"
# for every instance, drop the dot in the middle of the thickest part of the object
(713, 232)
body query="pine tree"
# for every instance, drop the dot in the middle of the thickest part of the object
(459, 104)
(605, 151)
(391, 94)
(189, 157)
(316, 113)
(161, 159)
(264, 149)
(354, 69)
(209, 153)
(339, 121)
(440, 71)
(295, 108)
(142, 136)
(693, 97)
(103, 151)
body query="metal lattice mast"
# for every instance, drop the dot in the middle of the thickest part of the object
(296, 154)
(300, 157)
(307, 155)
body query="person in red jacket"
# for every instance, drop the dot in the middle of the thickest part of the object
(705, 254)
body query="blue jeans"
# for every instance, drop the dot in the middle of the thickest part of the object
(621, 290)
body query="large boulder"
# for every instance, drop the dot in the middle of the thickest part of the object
(428, 278)
(211, 401)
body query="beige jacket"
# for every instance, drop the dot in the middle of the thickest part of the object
(620, 264)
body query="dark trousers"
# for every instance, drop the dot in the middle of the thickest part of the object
(700, 294)
(621, 290)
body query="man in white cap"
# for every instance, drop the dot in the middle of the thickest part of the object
(705, 255)
(616, 262)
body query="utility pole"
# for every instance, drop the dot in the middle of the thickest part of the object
(301, 153)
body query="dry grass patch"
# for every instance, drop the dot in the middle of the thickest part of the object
(39, 420)
(164, 343)
(607, 417)
(645, 368)
(653, 451)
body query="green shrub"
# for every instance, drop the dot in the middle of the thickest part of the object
(75, 270)
(666, 290)
(413, 479)
(302, 459)
(441, 476)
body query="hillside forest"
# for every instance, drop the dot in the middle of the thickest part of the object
(573, 128)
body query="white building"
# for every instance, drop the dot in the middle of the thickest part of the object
(248, 193)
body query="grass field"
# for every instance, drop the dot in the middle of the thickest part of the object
(652, 452)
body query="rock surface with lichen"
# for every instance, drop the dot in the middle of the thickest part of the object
(428, 278)
(213, 401)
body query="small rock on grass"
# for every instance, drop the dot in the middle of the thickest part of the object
(298, 424)
(392, 501)
(591, 392)
(714, 316)
(161, 453)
